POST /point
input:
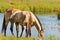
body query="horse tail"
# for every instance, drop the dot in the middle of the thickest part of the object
(3, 25)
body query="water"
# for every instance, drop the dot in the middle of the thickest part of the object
(50, 24)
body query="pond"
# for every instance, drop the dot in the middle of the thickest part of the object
(50, 23)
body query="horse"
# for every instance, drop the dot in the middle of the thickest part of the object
(6, 20)
(28, 19)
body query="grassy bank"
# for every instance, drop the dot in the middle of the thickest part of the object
(52, 37)
(14, 38)
(35, 6)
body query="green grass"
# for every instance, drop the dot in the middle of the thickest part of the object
(31, 5)
(53, 37)
(15, 38)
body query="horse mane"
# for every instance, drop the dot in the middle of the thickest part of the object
(39, 21)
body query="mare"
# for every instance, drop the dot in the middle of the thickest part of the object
(28, 19)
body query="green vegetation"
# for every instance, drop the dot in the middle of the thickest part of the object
(14, 38)
(53, 37)
(59, 15)
(36, 6)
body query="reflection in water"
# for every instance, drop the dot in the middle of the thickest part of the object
(58, 29)
(50, 24)
(59, 22)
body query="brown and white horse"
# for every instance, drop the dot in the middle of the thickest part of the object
(6, 20)
(24, 18)
(28, 19)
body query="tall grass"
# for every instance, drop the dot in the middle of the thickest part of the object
(36, 7)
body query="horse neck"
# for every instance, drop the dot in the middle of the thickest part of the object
(8, 13)
(37, 23)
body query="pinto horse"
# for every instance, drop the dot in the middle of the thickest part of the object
(6, 20)
(28, 19)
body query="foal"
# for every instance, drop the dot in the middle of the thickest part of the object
(6, 20)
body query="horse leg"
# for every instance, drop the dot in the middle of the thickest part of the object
(5, 31)
(17, 28)
(11, 28)
(28, 30)
(22, 31)
(5, 28)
